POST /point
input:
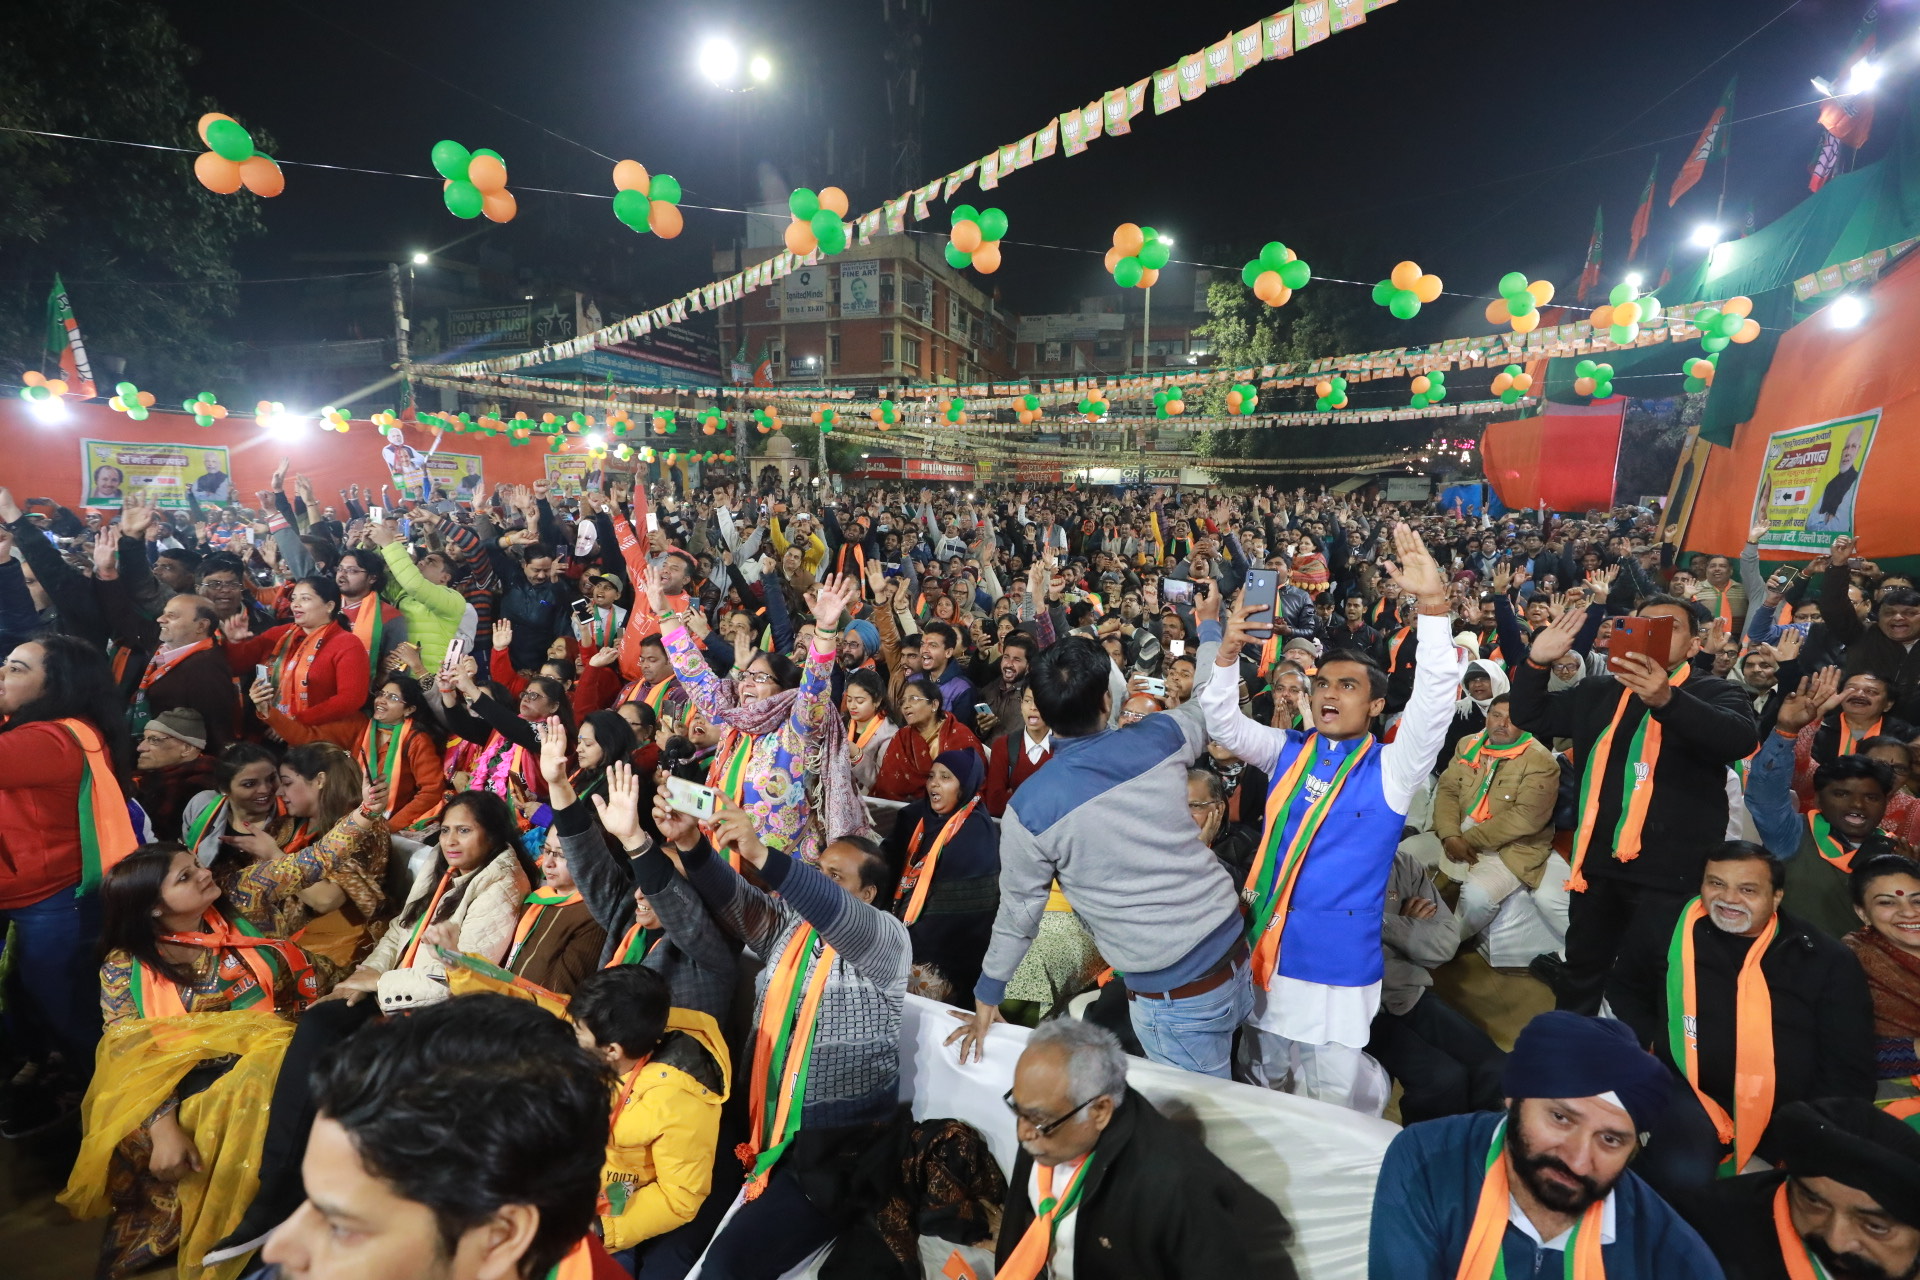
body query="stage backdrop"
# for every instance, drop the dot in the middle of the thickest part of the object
(1565, 457)
(1825, 389)
(44, 460)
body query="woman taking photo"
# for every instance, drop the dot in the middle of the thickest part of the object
(324, 872)
(467, 899)
(929, 732)
(949, 855)
(870, 725)
(317, 672)
(63, 824)
(783, 754)
(198, 1008)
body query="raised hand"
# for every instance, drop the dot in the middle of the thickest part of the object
(619, 809)
(833, 601)
(1761, 528)
(1418, 573)
(373, 795)
(650, 587)
(1840, 552)
(1646, 678)
(136, 515)
(678, 829)
(1816, 695)
(1788, 646)
(1238, 634)
(106, 554)
(237, 628)
(553, 750)
(1553, 641)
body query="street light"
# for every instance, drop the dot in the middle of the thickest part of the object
(1634, 279)
(1704, 236)
(759, 67)
(719, 60)
(1847, 311)
(420, 259)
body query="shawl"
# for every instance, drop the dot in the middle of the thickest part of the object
(1893, 976)
(834, 805)
(904, 769)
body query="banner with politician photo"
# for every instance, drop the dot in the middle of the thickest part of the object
(1810, 481)
(163, 473)
(455, 475)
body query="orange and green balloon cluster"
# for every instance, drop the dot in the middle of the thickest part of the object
(1513, 382)
(974, 240)
(1406, 289)
(817, 221)
(1137, 255)
(646, 202)
(230, 162)
(1519, 302)
(476, 182)
(131, 400)
(1733, 322)
(1332, 393)
(1244, 397)
(1275, 274)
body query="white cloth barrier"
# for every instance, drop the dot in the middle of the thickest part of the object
(1317, 1163)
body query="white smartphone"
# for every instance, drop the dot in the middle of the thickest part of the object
(260, 672)
(1153, 685)
(691, 798)
(1176, 648)
(653, 522)
(376, 514)
(456, 650)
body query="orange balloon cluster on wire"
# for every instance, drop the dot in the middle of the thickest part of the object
(647, 202)
(1137, 255)
(230, 162)
(816, 221)
(1511, 383)
(475, 182)
(1405, 289)
(1519, 302)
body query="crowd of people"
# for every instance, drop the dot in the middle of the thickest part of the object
(532, 886)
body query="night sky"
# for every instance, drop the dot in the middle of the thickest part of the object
(1474, 138)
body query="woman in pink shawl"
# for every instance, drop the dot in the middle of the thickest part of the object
(783, 756)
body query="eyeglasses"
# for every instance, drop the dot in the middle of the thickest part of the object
(212, 584)
(1044, 1130)
(758, 677)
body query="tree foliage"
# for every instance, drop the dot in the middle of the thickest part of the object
(146, 251)
(1245, 331)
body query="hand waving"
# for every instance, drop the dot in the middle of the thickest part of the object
(619, 809)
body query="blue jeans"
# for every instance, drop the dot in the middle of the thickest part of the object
(56, 975)
(1196, 1033)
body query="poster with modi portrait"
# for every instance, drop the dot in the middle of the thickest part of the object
(1810, 481)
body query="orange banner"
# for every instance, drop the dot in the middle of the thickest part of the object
(1583, 444)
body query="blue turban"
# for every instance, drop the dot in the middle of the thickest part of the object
(867, 633)
(1567, 1055)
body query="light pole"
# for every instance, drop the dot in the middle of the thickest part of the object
(719, 63)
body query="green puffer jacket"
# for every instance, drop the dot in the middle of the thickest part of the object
(433, 612)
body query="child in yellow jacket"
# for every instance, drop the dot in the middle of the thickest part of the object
(673, 1074)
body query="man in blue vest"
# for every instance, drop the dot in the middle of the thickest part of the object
(1335, 809)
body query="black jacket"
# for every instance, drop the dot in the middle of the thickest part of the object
(1822, 1013)
(1707, 725)
(1158, 1205)
(1869, 648)
(1735, 1217)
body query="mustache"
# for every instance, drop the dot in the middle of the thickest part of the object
(1850, 1266)
(1553, 1195)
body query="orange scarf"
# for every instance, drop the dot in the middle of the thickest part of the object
(1849, 740)
(782, 1048)
(1643, 760)
(1753, 1037)
(919, 876)
(538, 902)
(1793, 1250)
(426, 918)
(106, 829)
(163, 663)
(1485, 1239)
(240, 960)
(1030, 1257)
(1482, 749)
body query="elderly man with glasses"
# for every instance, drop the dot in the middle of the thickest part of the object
(1106, 1187)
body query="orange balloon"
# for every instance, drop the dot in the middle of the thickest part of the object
(1527, 323)
(986, 259)
(1341, 403)
(1233, 401)
(146, 398)
(816, 417)
(1113, 258)
(1320, 388)
(1127, 239)
(1501, 381)
(835, 199)
(1176, 407)
(1584, 386)
(665, 219)
(966, 236)
(1497, 312)
(208, 119)
(1285, 296)
(216, 411)
(217, 174)
(630, 175)
(262, 176)
(1405, 275)
(1542, 291)
(499, 206)
(1267, 286)
(56, 385)
(487, 173)
(1748, 331)
(960, 420)
(800, 239)
(1602, 318)
(1627, 313)
(1523, 382)
(1741, 306)
(1421, 385)
(1427, 288)
(1149, 278)
(874, 414)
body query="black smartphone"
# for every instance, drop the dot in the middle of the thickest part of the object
(1263, 590)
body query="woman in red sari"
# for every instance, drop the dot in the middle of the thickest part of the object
(930, 730)
(318, 672)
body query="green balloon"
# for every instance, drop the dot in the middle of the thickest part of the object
(1714, 343)
(957, 260)
(963, 213)
(804, 203)
(1514, 282)
(125, 390)
(824, 223)
(489, 151)
(190, 406)
(1623, 333)
(993, 224)
(229, 141)
(1419, 400)
(1323, 404)
(1274, 254)
(1707, 321)
(1149, 234)
(450, 160)
(1154, 254)
(1584, 369)
(1404, 305)
(1383, 292)
(834, 241)
(664, 187)
(205, 397)
(1253, 271)
(1126, 272)
(1602, 390)
(464, 199)
(1622, 293)
(631, 207)
(1513, 370)
(1338, 383)
(1649, 309)
(203, 419)
(1437, 378)
(1295, 274)
(1436, 394)
(1694, 384)
(1510, 396)
(1520, 304)
(1731, 325)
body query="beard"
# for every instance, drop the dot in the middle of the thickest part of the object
(1851, 1266)
(1530, 1165)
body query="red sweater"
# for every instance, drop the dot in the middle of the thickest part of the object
(1009, 767)
(40, 771)
(337, 682)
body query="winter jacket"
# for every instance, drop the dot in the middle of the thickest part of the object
(40, 770)
(433, 612)
(1519, 823)
(665, 1128)
(488, 912)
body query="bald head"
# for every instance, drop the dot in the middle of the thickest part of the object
(185, 619)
